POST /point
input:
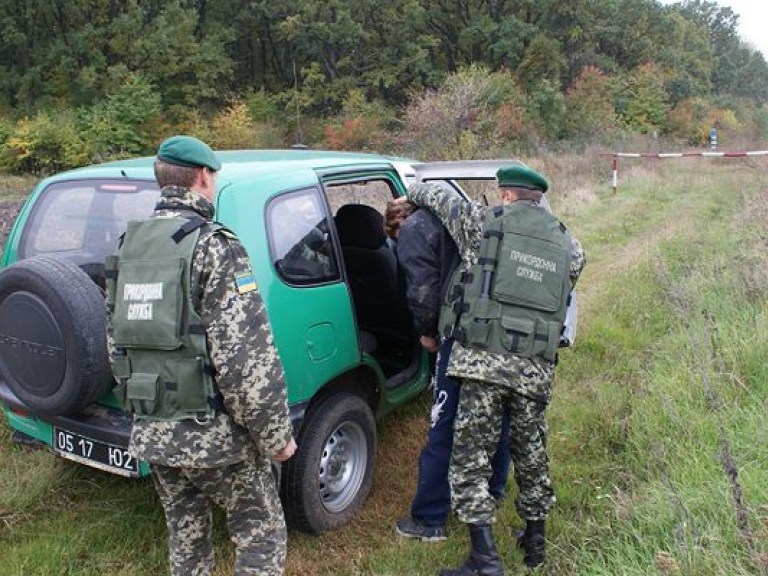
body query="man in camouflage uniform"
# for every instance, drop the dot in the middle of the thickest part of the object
(226, 460)
(428, 256)
(489, 382)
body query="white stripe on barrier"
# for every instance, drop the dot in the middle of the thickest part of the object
(685, 154)
(703, 154)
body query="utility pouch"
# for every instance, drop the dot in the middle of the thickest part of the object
(518, 334)
(121, 366)
(546, 340)
(477, 332)
(190, 388)
(141, 392)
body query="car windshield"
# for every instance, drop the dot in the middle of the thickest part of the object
(82, 220)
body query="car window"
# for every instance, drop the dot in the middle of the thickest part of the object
(83, 219)
(374, 193)
(299, 238)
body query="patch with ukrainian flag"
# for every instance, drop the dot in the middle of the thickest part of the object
(245, 282)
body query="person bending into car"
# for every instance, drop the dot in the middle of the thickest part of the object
(428, 256)
(194, 358)
(518, 264)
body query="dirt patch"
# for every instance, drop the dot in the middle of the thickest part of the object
(8, 212)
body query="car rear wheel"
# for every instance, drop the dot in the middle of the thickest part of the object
(328, 479)
(53, 351)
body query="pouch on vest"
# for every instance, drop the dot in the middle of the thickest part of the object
(518, 334)
(532, 279)
(141, 392)
(149, 308)
(187, 393)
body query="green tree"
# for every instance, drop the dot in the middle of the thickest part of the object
(189, 68)
(338, 47)
(738, 69)
(121, 125)
(589, 101)
(542, 61)
(687, 59)
(645, 100)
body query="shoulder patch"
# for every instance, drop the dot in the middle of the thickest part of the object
(245, 282)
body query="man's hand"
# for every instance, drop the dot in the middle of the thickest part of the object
(286, 452)
(429, 342)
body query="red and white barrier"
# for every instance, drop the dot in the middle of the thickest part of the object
(703, 153)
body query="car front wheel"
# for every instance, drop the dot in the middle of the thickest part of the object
(330, 476)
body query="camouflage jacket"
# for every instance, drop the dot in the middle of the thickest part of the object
(249, 374)
(464, 222)
(427, 255)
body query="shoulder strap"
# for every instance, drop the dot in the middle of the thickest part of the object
(192, 224)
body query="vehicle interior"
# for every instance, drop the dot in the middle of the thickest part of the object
(376, 281)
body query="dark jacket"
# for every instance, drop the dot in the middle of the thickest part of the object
(427, 255)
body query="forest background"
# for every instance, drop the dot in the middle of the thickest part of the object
(658, 422)
(85, 81)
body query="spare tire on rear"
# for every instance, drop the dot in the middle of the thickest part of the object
(53, 352)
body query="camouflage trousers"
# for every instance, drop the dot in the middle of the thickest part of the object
(476, 436)
(247, 493)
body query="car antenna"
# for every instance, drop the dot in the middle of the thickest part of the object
(298, 135)
(485, 199)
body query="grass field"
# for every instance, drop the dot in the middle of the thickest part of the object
(659, 426)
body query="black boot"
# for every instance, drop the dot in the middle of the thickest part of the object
(533, 541)
(483, 559)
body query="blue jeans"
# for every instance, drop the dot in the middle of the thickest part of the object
(432, 500)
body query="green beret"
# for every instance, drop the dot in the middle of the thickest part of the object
(521, 177)
(188, 151)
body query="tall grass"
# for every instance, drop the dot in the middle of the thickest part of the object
(658, 425)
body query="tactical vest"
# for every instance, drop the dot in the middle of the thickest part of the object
(514, 300)
(162, 361)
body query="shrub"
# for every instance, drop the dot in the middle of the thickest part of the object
(360, 125)
(462, 118)
(42, 144)
(688, 120)
(122, 125)
(233, 128)
(262, 107)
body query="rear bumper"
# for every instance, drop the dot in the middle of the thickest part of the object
(102, 423)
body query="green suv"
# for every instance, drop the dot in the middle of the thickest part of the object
(312, 224)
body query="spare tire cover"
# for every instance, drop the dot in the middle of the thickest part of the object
(53, 351)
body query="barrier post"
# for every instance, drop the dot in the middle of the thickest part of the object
(615, 173)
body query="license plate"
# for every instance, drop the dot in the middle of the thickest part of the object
(115, 459)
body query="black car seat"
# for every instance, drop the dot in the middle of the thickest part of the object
(377, 285)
